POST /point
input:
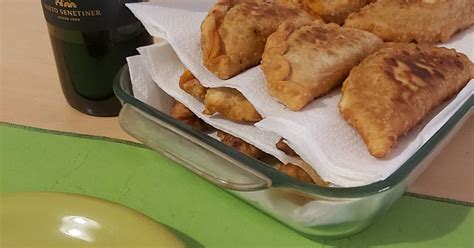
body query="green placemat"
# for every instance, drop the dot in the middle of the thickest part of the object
(129, 174)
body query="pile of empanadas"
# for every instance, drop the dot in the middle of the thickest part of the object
(308, 48)
(231, 104)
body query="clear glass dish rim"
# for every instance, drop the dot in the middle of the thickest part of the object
(122, 87)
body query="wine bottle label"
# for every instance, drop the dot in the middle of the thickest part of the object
(88, 15)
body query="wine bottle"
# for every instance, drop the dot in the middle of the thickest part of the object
(91, 40)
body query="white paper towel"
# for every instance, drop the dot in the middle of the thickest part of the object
(310, 213)
(318, 133)
(165, 69)
(144, 89)
(181, 28)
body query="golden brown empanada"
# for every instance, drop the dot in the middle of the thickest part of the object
(240, 145)
(304, 60)
(335, 10)
(395, 88)
(306, 174)
(231, 104)
(226, 101)
(234, 33)
(285, 148)
(422, 21)
(182, 113)
(192, 86)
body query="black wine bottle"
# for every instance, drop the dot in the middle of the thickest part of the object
(91, 40)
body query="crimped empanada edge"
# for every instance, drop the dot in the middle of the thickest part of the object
(275, 50)
(197, 92)
(214, 57)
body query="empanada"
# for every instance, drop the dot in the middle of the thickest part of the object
(306, 174)
(234, 33)
(192, 86)
(421, 21)
(396, 87)
(226, 101)
(285, 148)
(231, 104)
(240, 145)
(182, 113)
(335, 10)
(304, 59)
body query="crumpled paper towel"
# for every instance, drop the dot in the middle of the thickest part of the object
(318, 133)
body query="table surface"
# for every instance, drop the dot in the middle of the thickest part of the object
(31, 95)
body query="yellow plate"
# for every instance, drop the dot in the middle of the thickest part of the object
(69, 220)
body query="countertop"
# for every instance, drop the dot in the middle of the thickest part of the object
(31, 95)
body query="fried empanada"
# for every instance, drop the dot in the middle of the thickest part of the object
(421, 21)
(231, 104)
(234, 33)
(182, 113)
(335, 10)
(306, 59)
(396, 87)
(192, 86)
(307, 174)
(304, 172)
(285, 148)
(226, 101)
(240, 145)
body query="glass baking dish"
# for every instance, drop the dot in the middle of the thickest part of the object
(308, 208)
